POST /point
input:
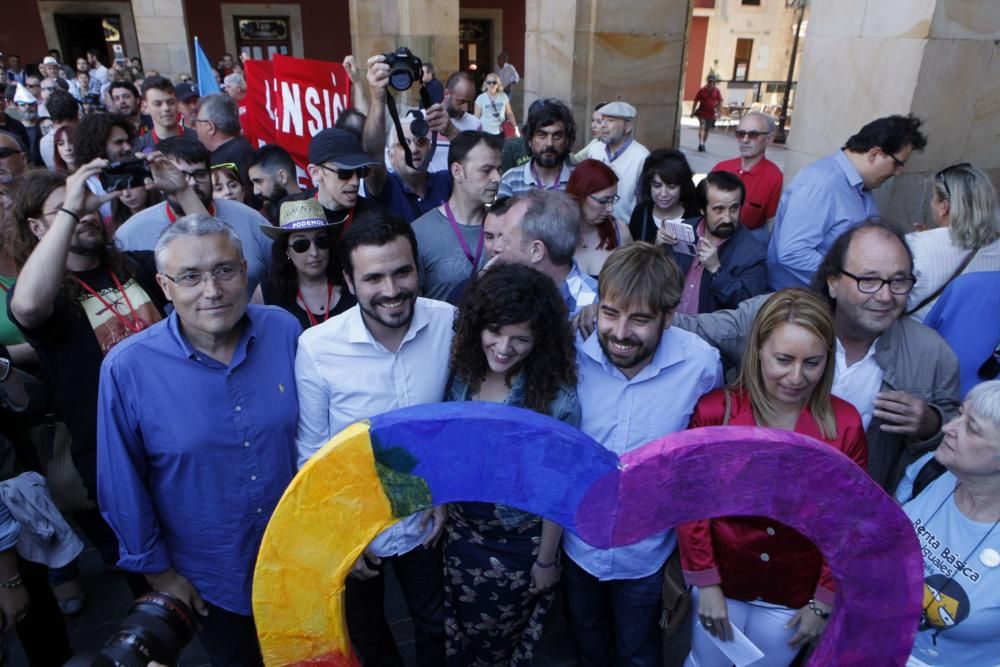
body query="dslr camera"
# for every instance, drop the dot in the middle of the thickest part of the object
(157, 629)
(404, 68)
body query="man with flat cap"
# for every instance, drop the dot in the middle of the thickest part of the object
(620, 151)
(337, 163)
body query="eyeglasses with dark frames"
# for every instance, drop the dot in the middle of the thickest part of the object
(872, 284)
(606, 201)
(899, 163)
(751, 134)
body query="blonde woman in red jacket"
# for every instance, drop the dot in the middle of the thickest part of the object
(751, 572)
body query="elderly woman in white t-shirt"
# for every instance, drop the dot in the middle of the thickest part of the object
(964, 208)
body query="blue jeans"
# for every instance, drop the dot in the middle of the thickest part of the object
(614, 622)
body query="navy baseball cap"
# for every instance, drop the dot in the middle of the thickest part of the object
(340, 148)
(185, 91)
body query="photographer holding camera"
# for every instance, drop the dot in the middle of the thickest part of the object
(410, 191)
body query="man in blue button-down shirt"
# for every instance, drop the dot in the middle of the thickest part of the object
(640, 379)
(835, 193)
(196, 434)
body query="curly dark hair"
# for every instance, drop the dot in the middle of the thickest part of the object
(90, 140)
(283, 271)
(513, 294)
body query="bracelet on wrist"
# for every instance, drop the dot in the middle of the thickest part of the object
(70, 214)
(544, 566)
(13, 582)
(816, 610)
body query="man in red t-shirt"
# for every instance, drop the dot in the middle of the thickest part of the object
(762, 178)
(707, 105)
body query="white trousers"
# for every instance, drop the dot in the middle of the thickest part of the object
(763, 624)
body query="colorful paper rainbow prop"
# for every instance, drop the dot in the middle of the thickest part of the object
(373, 473)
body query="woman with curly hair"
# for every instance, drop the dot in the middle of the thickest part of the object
(512, 345)
(595, 187)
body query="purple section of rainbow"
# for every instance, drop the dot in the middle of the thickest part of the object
(865, 537)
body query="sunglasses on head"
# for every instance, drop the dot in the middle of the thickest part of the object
(347, 174)
(6, 152)
(940, 176)
(302, 245)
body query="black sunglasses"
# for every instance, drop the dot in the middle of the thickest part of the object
(6, 152)
(302, 245)
(753, 134)
(941, 174)
(346, 174)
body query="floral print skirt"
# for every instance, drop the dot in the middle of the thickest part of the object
(490, 617)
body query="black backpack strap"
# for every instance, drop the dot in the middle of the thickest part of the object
(928, 473)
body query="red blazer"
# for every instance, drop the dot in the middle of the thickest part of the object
(755, 558)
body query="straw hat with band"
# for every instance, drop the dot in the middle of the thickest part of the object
(301, 215)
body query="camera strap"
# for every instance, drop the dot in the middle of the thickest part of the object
(425, 101)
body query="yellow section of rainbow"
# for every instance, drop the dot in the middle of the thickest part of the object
(327, 516)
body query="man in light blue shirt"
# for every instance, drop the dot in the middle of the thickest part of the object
(835, 193)
(390, 351)
(640, 379)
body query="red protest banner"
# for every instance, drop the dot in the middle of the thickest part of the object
(256, 111)
(291, 99)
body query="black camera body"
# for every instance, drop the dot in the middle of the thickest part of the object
(125, 174)
(404, 68)
(157, 628)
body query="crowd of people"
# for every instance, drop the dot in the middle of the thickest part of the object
(204, 315)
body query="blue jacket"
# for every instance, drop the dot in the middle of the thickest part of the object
(743, 273)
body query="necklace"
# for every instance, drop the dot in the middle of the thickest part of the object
(312, 318)
(923, 612)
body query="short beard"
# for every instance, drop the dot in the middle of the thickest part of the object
(279, 193)
(453, 112)
(549, 159)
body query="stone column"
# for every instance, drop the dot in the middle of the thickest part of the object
(937, 59)
(429, 28)
(589, 51)
(164, 42)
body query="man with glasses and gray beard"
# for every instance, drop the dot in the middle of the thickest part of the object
(141, 231)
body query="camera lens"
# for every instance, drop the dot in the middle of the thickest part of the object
(158, 627)
(401, 79)
(419, 127)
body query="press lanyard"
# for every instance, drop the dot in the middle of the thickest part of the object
(312, 320)
(461, 239)
(538, 179)
(135, 325)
